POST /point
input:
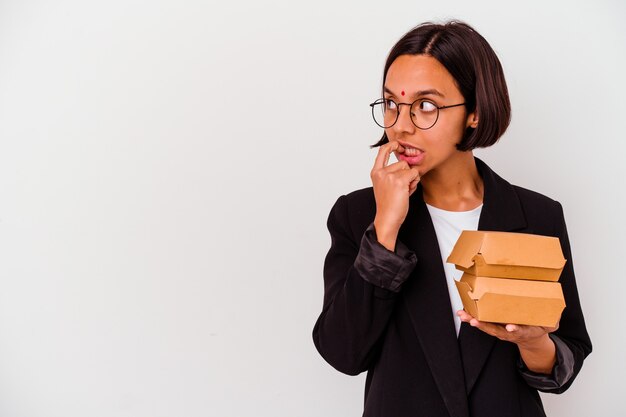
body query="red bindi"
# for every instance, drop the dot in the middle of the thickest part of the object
(402, 92)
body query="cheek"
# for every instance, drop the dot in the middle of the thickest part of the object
(444, 138)
(452, 133)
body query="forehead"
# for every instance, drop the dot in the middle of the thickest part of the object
(413, 73)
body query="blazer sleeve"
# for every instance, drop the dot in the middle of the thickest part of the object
(572, 331)
(362, 280)
(561, 372)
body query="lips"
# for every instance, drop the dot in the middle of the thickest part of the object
(411, 154)
(410, 150)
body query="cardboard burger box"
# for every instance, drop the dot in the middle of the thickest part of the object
(510, 277)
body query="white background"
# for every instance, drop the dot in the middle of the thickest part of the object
(167, 167)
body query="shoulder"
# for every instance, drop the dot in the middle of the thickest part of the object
(518, 206)
(503, 188)
(532, 198)
(354, 211)
(361, 200)
(542, 213)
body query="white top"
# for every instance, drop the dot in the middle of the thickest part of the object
(448, 227)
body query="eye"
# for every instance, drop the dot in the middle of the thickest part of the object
(426, 106)
(390, 105)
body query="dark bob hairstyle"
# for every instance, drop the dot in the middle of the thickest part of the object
(476, 70)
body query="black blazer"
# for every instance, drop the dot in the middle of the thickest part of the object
(406, 339)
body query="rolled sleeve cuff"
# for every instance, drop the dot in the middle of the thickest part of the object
(382, 267)
(561, 372)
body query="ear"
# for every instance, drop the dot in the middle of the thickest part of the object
(472, 120)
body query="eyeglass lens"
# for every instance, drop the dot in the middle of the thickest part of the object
(424, 113)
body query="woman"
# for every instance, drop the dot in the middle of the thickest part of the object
(390, 305)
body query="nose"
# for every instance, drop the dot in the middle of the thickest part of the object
(404, 123)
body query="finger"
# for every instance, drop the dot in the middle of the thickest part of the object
(397, 166)
(524, 331)
(520, 333)
(493, 329)
(464, 316)
(392, 147)
(411, 175)
(413, 184)
(399, 176)
(511, 328)
(382, 159)
(550, 329)
(532, 331)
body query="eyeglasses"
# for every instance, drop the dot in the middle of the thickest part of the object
(424, 113)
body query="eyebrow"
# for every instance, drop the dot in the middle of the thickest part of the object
(430, 92)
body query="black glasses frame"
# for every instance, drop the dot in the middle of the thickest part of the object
(381, 101)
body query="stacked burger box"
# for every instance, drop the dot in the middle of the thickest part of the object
(510, 277)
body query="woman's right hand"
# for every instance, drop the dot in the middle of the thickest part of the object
(393, 185)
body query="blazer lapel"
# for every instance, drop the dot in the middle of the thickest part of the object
(427, 300)
(501, 212)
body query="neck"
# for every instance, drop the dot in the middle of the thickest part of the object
(455, 186)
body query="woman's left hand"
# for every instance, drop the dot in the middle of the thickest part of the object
(536, 348)
(516, 333)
